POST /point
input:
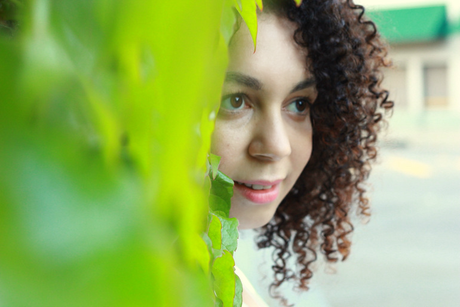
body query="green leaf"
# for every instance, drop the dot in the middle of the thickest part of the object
(260, 4)
(220, 213)
(298, 2)
(216, 253)
(207, 182)
(92, 153)
(218, 303)
(107, 125)
(222, 186)
(215, 232)
(237, 4)
(238, 300)
(215, 160)
(229, 233)
(224, 278)
(249, 14)
(202, 252)
(228, 20)
(219, 206)
(207, 240)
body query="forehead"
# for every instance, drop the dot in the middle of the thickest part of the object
(277, 54)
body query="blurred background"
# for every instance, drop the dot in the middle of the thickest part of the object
(408, 254)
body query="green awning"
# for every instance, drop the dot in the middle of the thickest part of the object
(454, 28)
(417, 24)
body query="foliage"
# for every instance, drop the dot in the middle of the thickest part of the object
(222, 238)
(8, 10)
(105, 120)
(247, 12)
(298, 2)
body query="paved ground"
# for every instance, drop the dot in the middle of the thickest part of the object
(409, 252)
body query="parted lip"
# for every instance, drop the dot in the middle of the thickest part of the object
(260, 182)
(266, 192)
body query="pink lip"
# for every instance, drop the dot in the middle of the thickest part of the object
(259, 196)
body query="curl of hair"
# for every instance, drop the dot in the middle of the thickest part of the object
(346, 54)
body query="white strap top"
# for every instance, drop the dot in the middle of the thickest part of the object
(250, 296)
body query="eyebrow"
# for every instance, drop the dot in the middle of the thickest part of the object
(303, 85)
(255, 84)
(242, 79)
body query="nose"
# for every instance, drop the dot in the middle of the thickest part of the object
(270, 141)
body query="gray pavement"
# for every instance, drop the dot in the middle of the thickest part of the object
(409, 253)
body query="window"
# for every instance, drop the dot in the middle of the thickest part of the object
(435, 82)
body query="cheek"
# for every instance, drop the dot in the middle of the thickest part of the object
(223, 144)
(219, 143)
(302, 149)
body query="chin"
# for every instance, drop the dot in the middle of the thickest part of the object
(250, 215)
(254, 221)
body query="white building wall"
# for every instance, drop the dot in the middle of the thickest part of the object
(414, 58)
(453, 72)
(414, 83)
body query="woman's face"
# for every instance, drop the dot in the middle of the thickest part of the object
(263, 131)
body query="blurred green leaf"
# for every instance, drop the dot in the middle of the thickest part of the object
(238, 3)
(218, 303)
(260, 4)
(99, 204)
(248, 12)
(215, 232)
(224, 278)
(68, 227)
(228, 19)
(298, 2)
(105, 126)
(207, 240)
(238, 301)
(203, 254)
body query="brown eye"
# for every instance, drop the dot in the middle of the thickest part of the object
(299, 106)
(236, 101)
(233, 102)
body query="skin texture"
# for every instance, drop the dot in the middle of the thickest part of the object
(269, 136)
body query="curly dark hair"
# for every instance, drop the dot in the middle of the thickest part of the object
(346, 54)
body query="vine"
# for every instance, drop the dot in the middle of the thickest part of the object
(105, 126)
(221, 238)
(222, 231)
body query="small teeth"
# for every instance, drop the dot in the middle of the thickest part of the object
(260, 187)
(255, 186)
